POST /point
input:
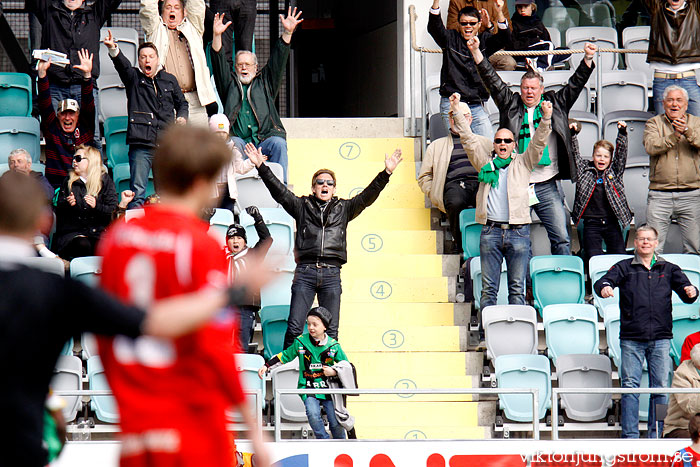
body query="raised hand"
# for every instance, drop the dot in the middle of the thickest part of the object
(292, 20)
(547, 109)
(485, 20)
(680, 126)
(390, 162)
(85, 62)
(590, 50)
(254, 154)
(473, 44)
(607, 292)
(109, 40)
(499, 4)
(127, 197)
(690, 291)
(253, 212)
(219, 25)
(621, 124)
(262, 371)
(42, 67)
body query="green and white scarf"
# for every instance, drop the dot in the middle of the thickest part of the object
(489, 172)
(524, 136)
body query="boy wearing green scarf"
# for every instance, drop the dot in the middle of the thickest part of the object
(502, 202)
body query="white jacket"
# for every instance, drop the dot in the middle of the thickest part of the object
(192, 27)
(236, 166)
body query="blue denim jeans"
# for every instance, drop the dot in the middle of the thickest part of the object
(246, 316)
(274, 147)
(552, 212)
(481, 125)
(140, 161)
(631, 363)
(514, 246)
(690, 84)
(313, 412)
(58, 93)
(310, 281)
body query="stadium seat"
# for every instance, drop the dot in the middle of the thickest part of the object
(86, 269)
(690, 264)
(273, 319)
(490, 106)
(436, 127)
(560, 18)
(219, 224)
(523, 371)
(248, 366)
(19, 132)
(68, 347)
(122, 179)
(674, 239)
(585, 371)
(602, 14)
(135, 213)
(291, 406)
(105, 407)
(623, 90)
(603, 37)
(636, 121)
(539, 240)
(636, 180)
(554, 80)
(590, 130)
(597, 267)
(128, 41)
(281, 227)
(112, 101)
(555, 36)
(512, 79)
(52, 265)
(253, 192)
(569, 194)
(685, 323)
(637, 37)
(15, 95)
(495, 120)
(475, 273)
(570, 328)
(278, 292)
(67, 376)
(611, 318)
(432, 93)
(509, 329)
(557, 279)
(471, 233)
(36, 167)
(115, 141)
(644, 398)
(88, 342)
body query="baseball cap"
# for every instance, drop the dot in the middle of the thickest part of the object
(219, 122)
(68, 104)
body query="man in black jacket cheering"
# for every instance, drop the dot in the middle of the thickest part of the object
(320, 246)
(646, 323)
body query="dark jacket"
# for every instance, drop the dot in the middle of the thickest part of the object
(81, 219)
(527, 31)
(645, 297)
(69, 31)
(239, 263)
(512, 109)
(458, 72)
(152, 102)
(674, 38)
(45, 185)
(262, 91)
(587, 174)
(322, 230)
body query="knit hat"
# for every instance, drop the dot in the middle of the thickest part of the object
(321, 313)
(236, 230)
(219, 122)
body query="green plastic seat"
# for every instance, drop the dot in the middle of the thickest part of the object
(122, 177)
(557, 279)
(274, 326)
(15, 95)
(115, 141)
(471, 233)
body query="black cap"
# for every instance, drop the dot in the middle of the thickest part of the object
(322, 313)
(236, 230)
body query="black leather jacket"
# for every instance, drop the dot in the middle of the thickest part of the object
(322, 229)
(674, 38)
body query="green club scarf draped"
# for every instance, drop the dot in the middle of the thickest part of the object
(525, 136)
(489, 172)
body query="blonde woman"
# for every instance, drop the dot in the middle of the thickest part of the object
(84, 206)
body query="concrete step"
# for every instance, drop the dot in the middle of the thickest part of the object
(396, 194)
(413, 414)
(376, 218)
(331, 152)
(406, 365)
(417, 382)
(404, 338)
(380, 264)
(396, 314)
(390, 242)
(349, 173)
(375, 127)
(398, 289)
(421, 432)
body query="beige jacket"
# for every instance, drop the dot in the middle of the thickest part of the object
(479, 149)
(674, 162)
(682, 406)
(192, 27)
(433, 170)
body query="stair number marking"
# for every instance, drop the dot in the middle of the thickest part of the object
(349, 150)
(372, 243)
(381, 290)
(355, 191)
(415, 434)
(393, 338)
(405, 384)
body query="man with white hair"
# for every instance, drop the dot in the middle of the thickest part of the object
(249, 94)
(20, 161)
(672, 141)
(683, 406)
(448, 178)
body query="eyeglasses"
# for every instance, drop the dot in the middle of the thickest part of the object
(502, 140)
(321, 182)
(78, 158)
(468, 23)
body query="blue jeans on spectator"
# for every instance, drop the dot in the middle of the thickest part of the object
(631, 362)
(274, 147)
(597, 231)
(313, 412)
(552, 213)
(690, 84)
(310, 281)
(514, 246)
(58, 93)
(481, 125)
(140, 162)
(246, 316)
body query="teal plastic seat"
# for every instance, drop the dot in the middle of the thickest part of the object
(67, 347)
(105, 407)
(86, 269)
(523, 371)
(690, 264)
(684, 324)
(281, 227)
(475, 272)
(274, 326)
(219, 223)
(570, 328)
(20, 132)
(471, 233)
(557, 279)
(611, 318)
(597, 267)
(15, 95)
(279, 291)
(248, 366)
(115, 141)
(122, 179)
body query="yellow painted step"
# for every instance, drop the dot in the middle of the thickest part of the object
(408, 338)
(417, 382)
(376, 218)
(396, 314)
(378, 264)
(326, 151)
(391, 242)
(395, 289)
(413, 414)
(394, 195)
(408, 364)
(365, 431)
(350, 173)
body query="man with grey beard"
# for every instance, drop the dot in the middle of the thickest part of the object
(249, 94)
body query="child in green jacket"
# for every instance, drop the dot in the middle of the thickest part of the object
(317, 353)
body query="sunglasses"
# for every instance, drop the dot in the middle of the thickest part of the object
(468, 23)
(78, 158)
(320, 182)
(502, 140)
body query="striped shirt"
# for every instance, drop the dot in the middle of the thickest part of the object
(460, 168)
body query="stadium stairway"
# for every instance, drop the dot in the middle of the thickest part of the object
(399, 324)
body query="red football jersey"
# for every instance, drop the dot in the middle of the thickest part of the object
(689, 458)
(172, 394)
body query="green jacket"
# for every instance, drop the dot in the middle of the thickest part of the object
(262, 91)
(311, 360)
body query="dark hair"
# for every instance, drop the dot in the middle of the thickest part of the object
(469, 11)
(532, 74)
(161, 4)
(22, 201)
(322, 171)
(185, 154)
(693, 426)
(147, 45)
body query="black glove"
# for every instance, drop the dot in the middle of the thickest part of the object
(622, 130)
(254, 212)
